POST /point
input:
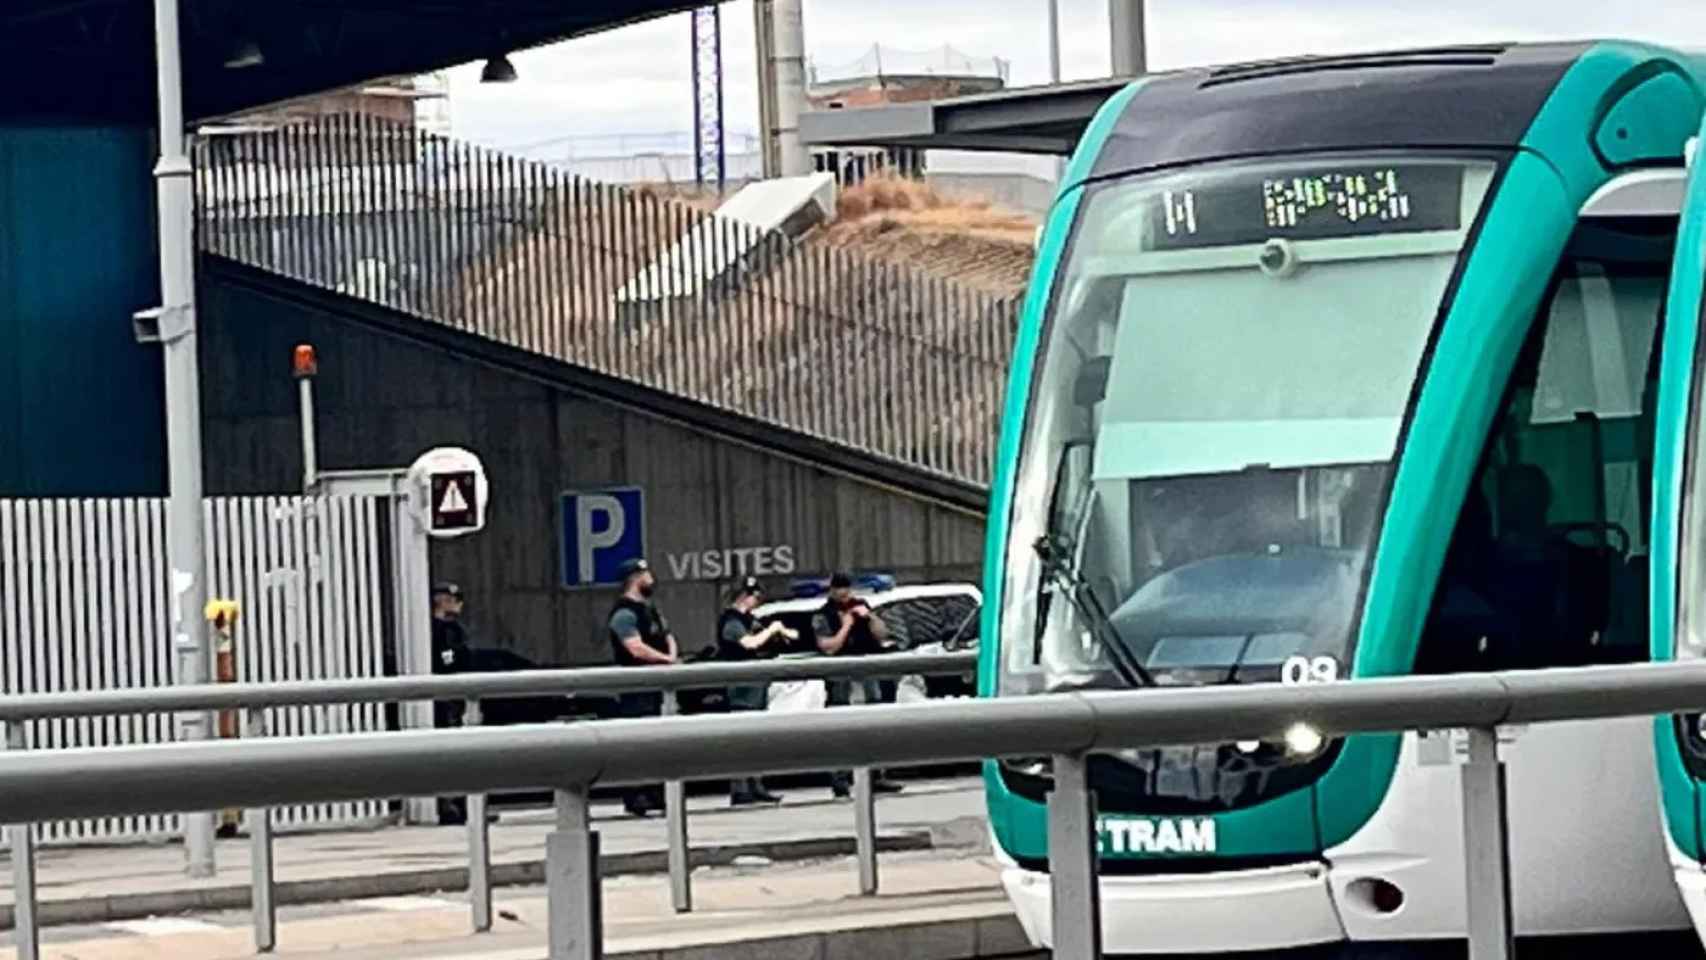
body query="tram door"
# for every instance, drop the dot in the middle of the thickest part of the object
(1550, 565)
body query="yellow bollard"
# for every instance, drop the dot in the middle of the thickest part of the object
(222, 617)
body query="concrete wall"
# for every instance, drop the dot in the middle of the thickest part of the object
(383, 401)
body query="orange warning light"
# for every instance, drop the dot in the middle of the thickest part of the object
(303, 362)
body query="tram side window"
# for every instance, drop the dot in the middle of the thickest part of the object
(1548, 564)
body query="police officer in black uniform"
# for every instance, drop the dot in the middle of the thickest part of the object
(846, 626)
(450, 654)
(640, 637)
(741, 640)
(450, 650)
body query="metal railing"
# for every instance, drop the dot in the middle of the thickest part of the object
(1068, 727)
(254, 699)
(877, 357)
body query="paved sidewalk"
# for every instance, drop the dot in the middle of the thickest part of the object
(933, 907)
(97, 884)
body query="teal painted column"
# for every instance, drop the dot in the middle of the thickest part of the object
(80, 400)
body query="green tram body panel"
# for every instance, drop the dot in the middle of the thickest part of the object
(1678, 790)
(1612, 107)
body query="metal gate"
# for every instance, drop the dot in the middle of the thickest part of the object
(83, 593)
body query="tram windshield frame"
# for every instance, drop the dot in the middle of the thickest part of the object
(1227, 363)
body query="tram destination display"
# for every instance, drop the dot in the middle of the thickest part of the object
(1309, 204)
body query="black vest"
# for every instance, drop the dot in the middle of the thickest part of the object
(450, 653)
(734, 651)
(653, 632)
(860, 640)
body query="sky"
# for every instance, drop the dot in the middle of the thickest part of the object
(584, 93)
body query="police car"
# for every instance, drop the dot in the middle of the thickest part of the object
(922, 618)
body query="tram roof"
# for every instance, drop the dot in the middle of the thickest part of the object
(1470, 95)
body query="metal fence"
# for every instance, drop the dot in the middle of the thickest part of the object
(86, 595)
(876, 357)
(1067, 727)
(881, 61)
(258, 701)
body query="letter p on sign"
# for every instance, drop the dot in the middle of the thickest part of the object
(600, 530)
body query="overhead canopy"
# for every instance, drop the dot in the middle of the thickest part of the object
(79, 61)
(1046, 119)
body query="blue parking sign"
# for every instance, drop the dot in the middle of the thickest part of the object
(601, 530)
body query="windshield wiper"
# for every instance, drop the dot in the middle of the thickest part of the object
(1057, 554)
(953, 642)
(1238, 664)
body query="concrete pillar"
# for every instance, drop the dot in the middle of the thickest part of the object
(1054, 71)
(1125, 28)
(764, 40)
(789, 59)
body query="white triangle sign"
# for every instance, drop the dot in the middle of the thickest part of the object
(454, 502)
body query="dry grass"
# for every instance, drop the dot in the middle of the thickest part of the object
(890, 201)
(906, 221)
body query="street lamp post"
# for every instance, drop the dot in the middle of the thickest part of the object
(173, 327)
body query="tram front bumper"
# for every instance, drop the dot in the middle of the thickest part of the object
(1690, 878)
(1268, 909)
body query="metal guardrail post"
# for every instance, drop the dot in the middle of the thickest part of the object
(865, 830)
(263, 909)
(675, 813)
(479, 841)
(413, 572)
(864, 817)
(1076, 907)
(572, 884)
(26, 934)
(1486, 849)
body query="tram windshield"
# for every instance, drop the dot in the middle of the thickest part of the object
(1228, 359)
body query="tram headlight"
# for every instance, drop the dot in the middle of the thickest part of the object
(1303, 740)
(1031, 766)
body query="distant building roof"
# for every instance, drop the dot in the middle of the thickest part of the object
(881, 61)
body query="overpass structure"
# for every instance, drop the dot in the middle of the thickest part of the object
(99, 54)
(871, 370)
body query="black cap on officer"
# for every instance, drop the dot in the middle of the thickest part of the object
(446, 612)
(634, 568)
(747, 587)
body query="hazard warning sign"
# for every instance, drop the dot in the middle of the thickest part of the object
(455, 501)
